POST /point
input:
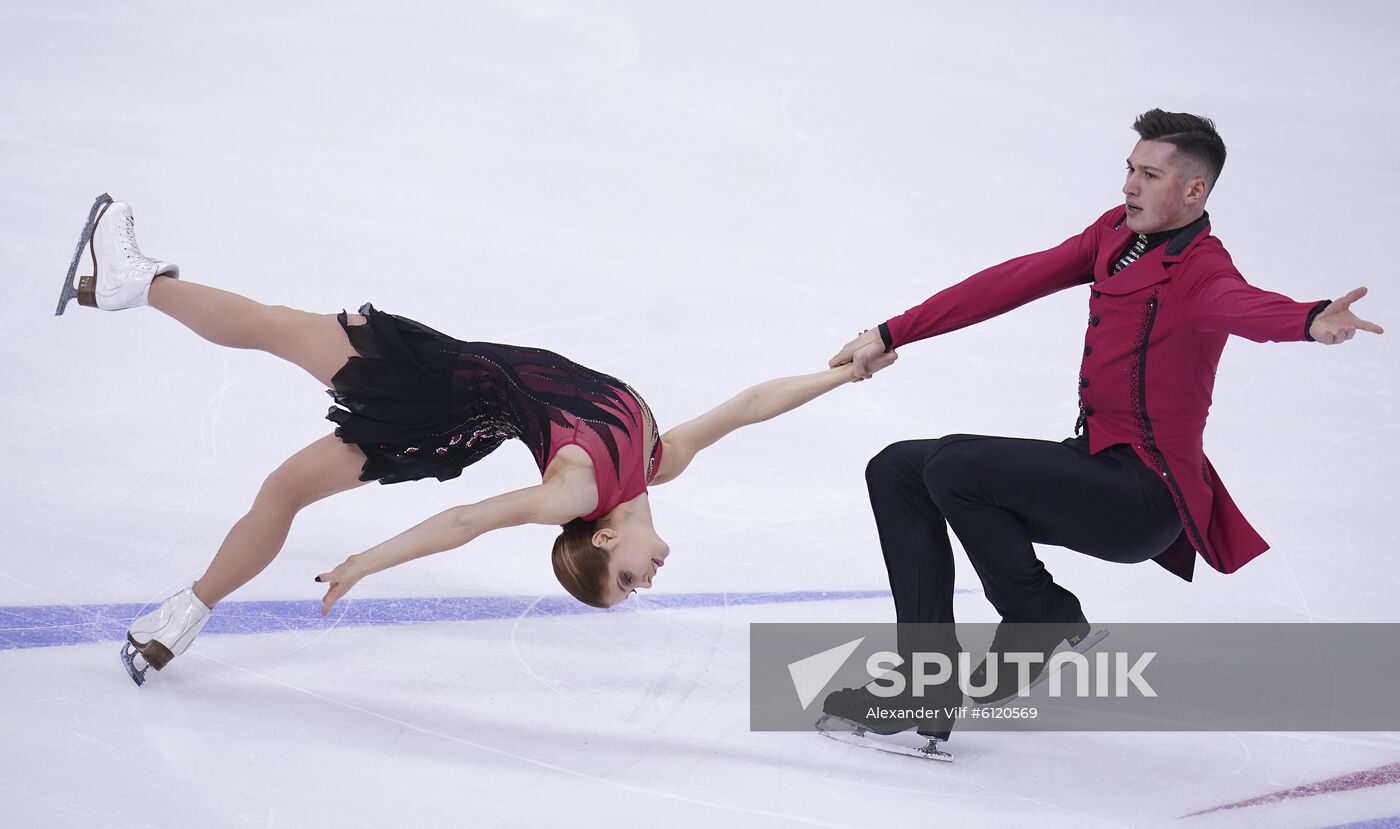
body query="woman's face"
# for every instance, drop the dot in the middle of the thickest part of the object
(635, 553)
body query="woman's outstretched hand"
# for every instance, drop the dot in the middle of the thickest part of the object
(341, 579)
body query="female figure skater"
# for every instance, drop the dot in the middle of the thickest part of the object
(413, 403)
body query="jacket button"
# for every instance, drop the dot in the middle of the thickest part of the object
(1095, 294)
(1083, 382)
(1088, 411)
(1094, 321)
(1088, 349)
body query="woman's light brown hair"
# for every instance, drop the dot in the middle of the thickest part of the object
(578, 565)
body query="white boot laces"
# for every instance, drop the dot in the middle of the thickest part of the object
(126, 234)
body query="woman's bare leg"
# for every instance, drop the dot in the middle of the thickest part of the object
(315, 342)
(322, 469)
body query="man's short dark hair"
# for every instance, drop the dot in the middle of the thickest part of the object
(1193, 136)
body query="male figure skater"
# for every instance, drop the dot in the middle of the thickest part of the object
(1133, 483)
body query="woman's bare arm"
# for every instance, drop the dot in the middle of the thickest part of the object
(752, 405)
(556, 502)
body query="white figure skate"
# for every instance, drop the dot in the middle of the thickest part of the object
(122, 275)
(163, 634)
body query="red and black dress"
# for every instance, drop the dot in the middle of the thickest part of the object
(421, 404)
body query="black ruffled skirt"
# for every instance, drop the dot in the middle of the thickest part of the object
(400, 403)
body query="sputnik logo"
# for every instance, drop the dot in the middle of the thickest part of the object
(810, 675)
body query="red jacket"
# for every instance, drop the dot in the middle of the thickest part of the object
(1155, 335)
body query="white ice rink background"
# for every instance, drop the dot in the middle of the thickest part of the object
(695, 197)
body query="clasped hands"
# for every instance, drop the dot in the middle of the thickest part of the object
(866, 354)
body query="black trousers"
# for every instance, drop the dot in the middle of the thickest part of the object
(1000, 496)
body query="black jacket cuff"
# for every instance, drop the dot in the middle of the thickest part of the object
(888, 340)
(1312, 315)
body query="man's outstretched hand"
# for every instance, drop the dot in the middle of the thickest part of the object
(864, 355)
(1337, 324)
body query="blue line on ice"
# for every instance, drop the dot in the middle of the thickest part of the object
(44, 626)
(1392, 822)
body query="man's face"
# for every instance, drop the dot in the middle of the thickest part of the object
(1159, 193)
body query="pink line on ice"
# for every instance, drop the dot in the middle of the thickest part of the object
(1382, 776)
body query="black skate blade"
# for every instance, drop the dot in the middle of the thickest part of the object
(1084, 644)
(906, 743)
(129, 655)
(70, 291)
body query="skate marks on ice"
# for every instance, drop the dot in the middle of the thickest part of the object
(559, 733)
(1387, 775)
(43, 626)
(70, 290)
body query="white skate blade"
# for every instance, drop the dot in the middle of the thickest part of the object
(907, 743)
(1088, 643)
(70, 290)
